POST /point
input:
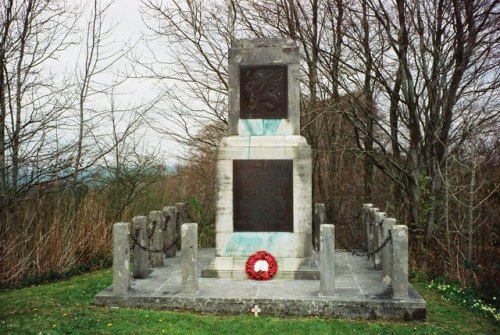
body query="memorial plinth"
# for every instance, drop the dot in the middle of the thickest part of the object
(264, 166)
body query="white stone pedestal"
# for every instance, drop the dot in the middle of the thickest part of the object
(293, 250)
(264, 125)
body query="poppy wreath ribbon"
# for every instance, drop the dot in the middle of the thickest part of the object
(261, 266)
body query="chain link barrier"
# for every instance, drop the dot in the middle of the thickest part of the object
(153, 228)
(368, 253)
(135, 241)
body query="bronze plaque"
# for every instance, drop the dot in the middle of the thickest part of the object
(263, 92)
(263, 195)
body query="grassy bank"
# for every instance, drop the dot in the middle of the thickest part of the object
(66, 308)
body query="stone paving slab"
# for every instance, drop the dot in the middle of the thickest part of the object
(360, 293)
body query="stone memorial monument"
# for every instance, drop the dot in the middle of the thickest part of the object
(264, 216)
(264, 167)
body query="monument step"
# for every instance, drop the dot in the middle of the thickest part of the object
(240, 275)
(288, 268)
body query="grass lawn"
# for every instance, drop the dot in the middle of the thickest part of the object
(66, 308)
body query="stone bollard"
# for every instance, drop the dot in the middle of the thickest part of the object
(366, 224)
(387, 251)
(399, 278)
(179, 220)
(327, 260)
(378, 238)
(371, 228)
(189, 257)
(141, 256)
(319, 219)
(157, 221)
(169, 245)
(121, 257)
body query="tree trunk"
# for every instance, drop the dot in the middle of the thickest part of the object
(368, 111)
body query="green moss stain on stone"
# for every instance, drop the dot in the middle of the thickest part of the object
(244, 244)
(270, 126)
(253, 127)
(260, 127)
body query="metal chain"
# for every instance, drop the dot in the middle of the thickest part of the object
(354, 252)
(152, 230)
(368, 253)
(380, 247)
(135, 242)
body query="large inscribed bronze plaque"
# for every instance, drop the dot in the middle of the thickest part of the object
(263, 195)
(263, 92)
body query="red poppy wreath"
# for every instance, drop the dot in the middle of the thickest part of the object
(261, 266)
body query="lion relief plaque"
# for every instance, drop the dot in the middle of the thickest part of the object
(263, 91)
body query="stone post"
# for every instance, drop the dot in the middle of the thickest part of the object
(327, 260)
(179, 220)
(371, 227)
(387, 251)
(141, 256)
(121, 257)
(169, 246)
(319, 219)
(366, 225)
(399, 262)
(189, 257)
(157, 221)
(378, 238)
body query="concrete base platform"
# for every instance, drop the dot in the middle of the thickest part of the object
(360, 293)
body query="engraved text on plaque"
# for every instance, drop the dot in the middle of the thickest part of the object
(263, 195)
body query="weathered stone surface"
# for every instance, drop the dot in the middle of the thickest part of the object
(189, 257)
(359, 293)
(327, 260)
(319, 219)
(366, 225)
(264, 52)
(399, 262)
(121, 257)
(242, 244)
(367, 310)
(380, 217)
(141, 256)
(179, 221)
(371, 228)
(157, 221)
(262, 73)
(298, 243)
(169, 245)
(387, 251)
(288, 268)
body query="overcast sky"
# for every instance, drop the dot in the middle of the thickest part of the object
(125, 17)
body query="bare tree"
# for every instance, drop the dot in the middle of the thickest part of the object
(439, 55)
(194, 72)
(33, 33)
(53, 127)
(99, 56)
(404, 81)
(318, 28)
